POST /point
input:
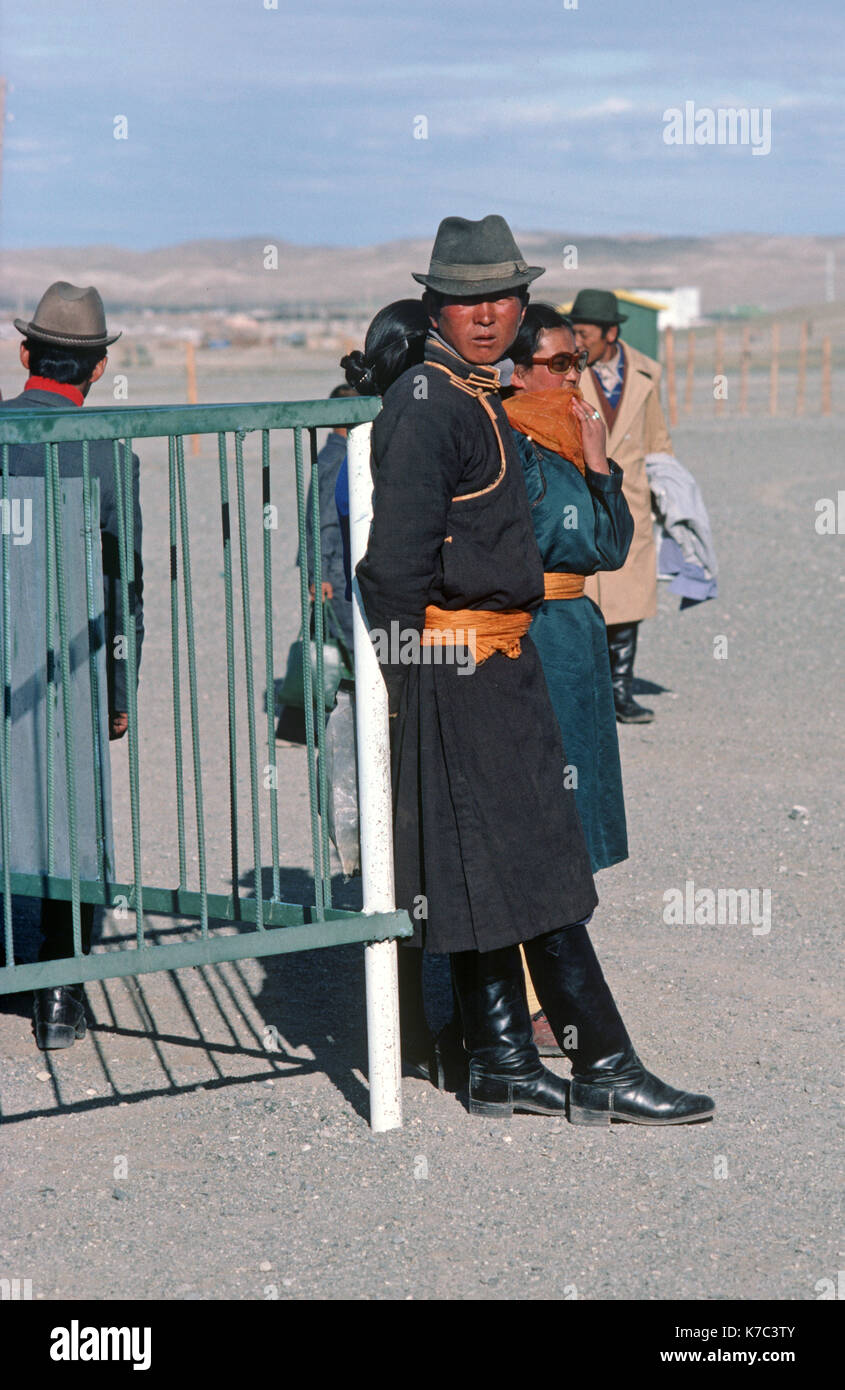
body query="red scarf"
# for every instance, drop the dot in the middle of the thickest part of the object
(59, 388)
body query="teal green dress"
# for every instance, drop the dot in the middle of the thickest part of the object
(582, 524)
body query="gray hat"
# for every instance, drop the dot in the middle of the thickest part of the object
(596, 306)
(68, 316)
(470, 258)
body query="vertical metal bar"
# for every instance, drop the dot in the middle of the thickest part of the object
(50, 659)
(192, 680)
(320, 637)
(94, 676)
(250, 682)
(175, 671)
(6, 732)
(124, 505)
(226, 523)
(132, 689)
(307, 680)
(67, 708)
(268, 515)
(376, 816)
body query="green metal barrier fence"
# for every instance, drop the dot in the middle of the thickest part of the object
(303, 927)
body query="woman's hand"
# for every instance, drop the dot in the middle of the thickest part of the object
(593, 435)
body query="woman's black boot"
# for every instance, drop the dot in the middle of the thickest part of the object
(609, 1082)
(622, 648)
(439, 1059)
(505, 1071)
(414, 1032)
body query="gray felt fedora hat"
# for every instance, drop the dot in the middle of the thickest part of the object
(68, 316)
(596, 306)
(470, 258)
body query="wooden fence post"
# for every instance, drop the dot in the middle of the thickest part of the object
(690, 371)
(773, 375)
(670, 376)
(745, 359)
(191, 369)
(826, 392)
(720, 367)
(802, 371)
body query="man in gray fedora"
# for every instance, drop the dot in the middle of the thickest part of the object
(624, 385)
(486, 834)
(64, 352)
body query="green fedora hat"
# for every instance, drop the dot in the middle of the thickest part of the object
(596, 306)
(470, 258)
(68, 316)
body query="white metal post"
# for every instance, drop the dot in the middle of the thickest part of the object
(375, 808)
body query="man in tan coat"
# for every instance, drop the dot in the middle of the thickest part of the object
(624, 385)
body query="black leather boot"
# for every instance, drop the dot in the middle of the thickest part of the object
(58, 1016)
(450, 1064)
(439, 1059)
(505, 1071)
(622, 647)
(609, 1082)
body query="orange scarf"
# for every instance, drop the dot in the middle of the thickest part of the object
(558, 584)
(546, 417)
(482, 630)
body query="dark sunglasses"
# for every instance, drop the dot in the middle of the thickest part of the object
(563, 361)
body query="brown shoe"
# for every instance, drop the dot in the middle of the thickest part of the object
(544, 1039)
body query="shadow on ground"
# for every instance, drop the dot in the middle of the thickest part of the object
(229, 1024)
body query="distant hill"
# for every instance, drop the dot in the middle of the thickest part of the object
(768, 272)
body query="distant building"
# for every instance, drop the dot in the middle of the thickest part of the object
(680, 308)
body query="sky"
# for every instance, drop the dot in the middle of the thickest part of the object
(302, 121)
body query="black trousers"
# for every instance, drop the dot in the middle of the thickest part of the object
(57, 928)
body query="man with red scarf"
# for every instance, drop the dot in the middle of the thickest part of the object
(64, 352)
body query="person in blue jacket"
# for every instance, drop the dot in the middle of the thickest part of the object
(582, 524)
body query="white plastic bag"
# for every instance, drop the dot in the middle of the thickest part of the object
(342, 781)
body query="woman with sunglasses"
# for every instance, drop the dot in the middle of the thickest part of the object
(582, 524)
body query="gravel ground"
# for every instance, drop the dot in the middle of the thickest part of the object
(171, 1155)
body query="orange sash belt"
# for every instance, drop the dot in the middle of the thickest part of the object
(563, 585)
(480, 629)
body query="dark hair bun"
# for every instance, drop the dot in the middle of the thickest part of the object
(358, 371)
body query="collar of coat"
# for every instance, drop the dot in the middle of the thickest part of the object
(478, 378)
(642, 376)
(55, 388)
